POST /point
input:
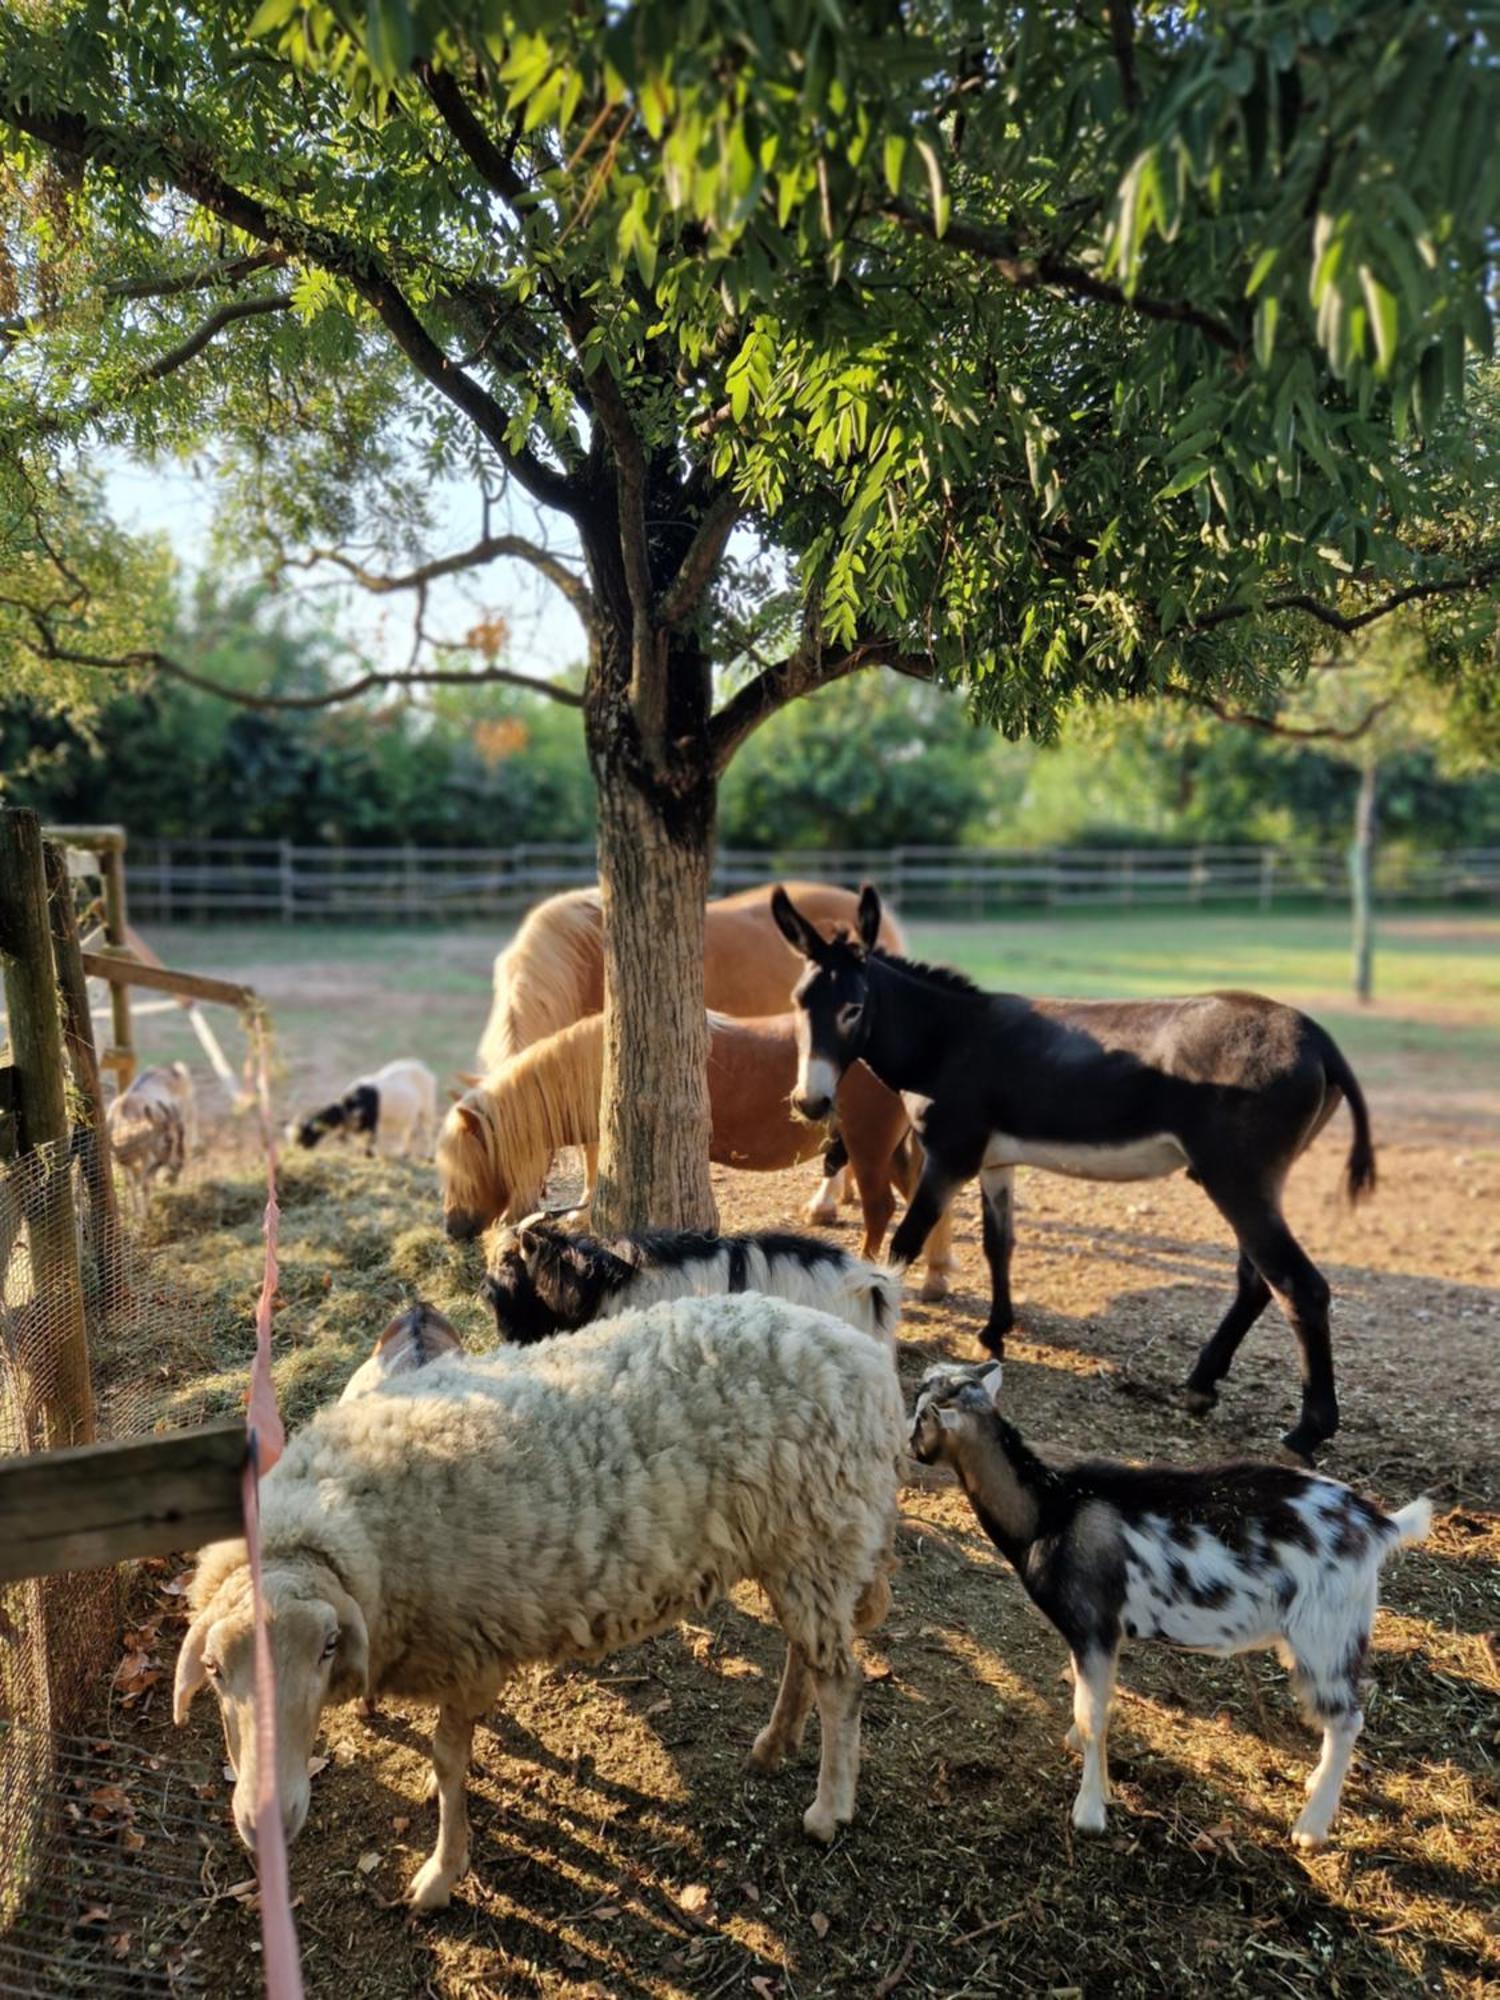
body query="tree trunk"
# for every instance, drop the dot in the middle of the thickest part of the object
(1362, 882)
(655, 852)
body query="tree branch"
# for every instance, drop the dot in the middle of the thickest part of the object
(803, 671)
(1271, 725)
(1047, 271)
(161, 285)
(697, 567)
(48, 646)
(1122, 34)
(488, 548)
(69, 133)
(1478, 578)
(493, 166)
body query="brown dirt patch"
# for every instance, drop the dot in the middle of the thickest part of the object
(620, 1848)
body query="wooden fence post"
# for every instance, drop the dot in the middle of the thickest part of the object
(116, 917)
(288, 884)
(79, 1035)
(63, 1406)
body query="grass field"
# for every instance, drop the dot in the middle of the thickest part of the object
(346, 999)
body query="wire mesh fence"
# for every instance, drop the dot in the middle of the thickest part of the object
(99, 1849)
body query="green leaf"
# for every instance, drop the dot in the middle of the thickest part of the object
(269, 15)
(1183, 482)
(935, 183)
(1260, 270)
(1266, 315)
(1384, 318)
(893, 155)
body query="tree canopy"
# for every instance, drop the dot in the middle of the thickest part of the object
(1042, 346)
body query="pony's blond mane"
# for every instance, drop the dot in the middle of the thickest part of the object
(542, 976)
(543, 1099)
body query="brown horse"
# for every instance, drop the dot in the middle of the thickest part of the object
(551, 974)
(498, 1139)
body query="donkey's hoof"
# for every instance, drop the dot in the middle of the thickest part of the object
(992, 1339)
(934, 1287)
(821, 1211)
(1198, 1402)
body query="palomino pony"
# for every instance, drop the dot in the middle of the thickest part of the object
(551, 974)
(498, 1139)
(1230, 1086)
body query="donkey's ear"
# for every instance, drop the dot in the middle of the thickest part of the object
(794, 927)
(869, 916)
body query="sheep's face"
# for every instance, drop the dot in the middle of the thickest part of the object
(949, 1398)
(320, 1655)
(474, 1195)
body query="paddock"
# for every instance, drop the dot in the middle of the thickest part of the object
(620, 1847)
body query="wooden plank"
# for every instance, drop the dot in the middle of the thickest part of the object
(122, 971)
(100, 1504)
(92, 839)
(58, 1398)
(78, 1033)
(112, 868)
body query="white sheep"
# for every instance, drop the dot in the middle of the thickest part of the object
(1215, 1559)
(544, 1279)
(153, 1125)
(556, 1502)
(395, 1108)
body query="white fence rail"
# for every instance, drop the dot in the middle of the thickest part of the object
(208, 881)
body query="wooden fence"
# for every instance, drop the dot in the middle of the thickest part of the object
(209, 880)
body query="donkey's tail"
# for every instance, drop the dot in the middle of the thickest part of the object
(1359, 1174)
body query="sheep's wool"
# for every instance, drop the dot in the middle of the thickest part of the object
(565, 1499)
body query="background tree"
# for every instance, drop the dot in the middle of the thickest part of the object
(1054, 353)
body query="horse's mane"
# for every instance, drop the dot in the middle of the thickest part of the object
(545, 1098)
(540, 977)
(945, 976)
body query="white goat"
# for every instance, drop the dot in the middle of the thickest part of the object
(395, 1108)
(544, 1280)
(1218, 1559)
(153, 1125)
(557, 1502)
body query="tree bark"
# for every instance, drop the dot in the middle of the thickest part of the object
(1362, 881)
(656, 824)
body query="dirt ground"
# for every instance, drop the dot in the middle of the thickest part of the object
(621, 1848)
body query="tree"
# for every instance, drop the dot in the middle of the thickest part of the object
(1050, 353)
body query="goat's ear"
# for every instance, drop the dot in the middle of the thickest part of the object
(990, 1382)
(351, 1664)
(794, 927)
(191, 1672)
(869, 915)
(527, 1241)
(948, 1418)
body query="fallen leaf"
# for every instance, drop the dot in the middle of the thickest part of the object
(766, 1988)
(658, 1707)
(695, 1898)
(132, 1842)
(119, 1944)
(368, 1863)
(96, 1913)
(316, 1764)
(819, 1924)
(400, 1824)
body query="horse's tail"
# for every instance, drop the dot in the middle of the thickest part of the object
(1359, 1173)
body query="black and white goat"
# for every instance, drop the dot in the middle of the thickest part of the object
(396, 1106)
(1215, 1559)
(546, 1280)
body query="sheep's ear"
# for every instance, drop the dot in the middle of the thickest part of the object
(990, 1382)
(869, 915)
(351, 1665)
(191, 1672)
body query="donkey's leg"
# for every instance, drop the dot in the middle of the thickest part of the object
(1302, 1292)
(997, 1185)
(824, 1205)
(935, 1190)
(1218, 1351)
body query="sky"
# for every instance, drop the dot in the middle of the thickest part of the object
(545, 634)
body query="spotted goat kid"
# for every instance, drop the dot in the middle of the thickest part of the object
(1217, 1559)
